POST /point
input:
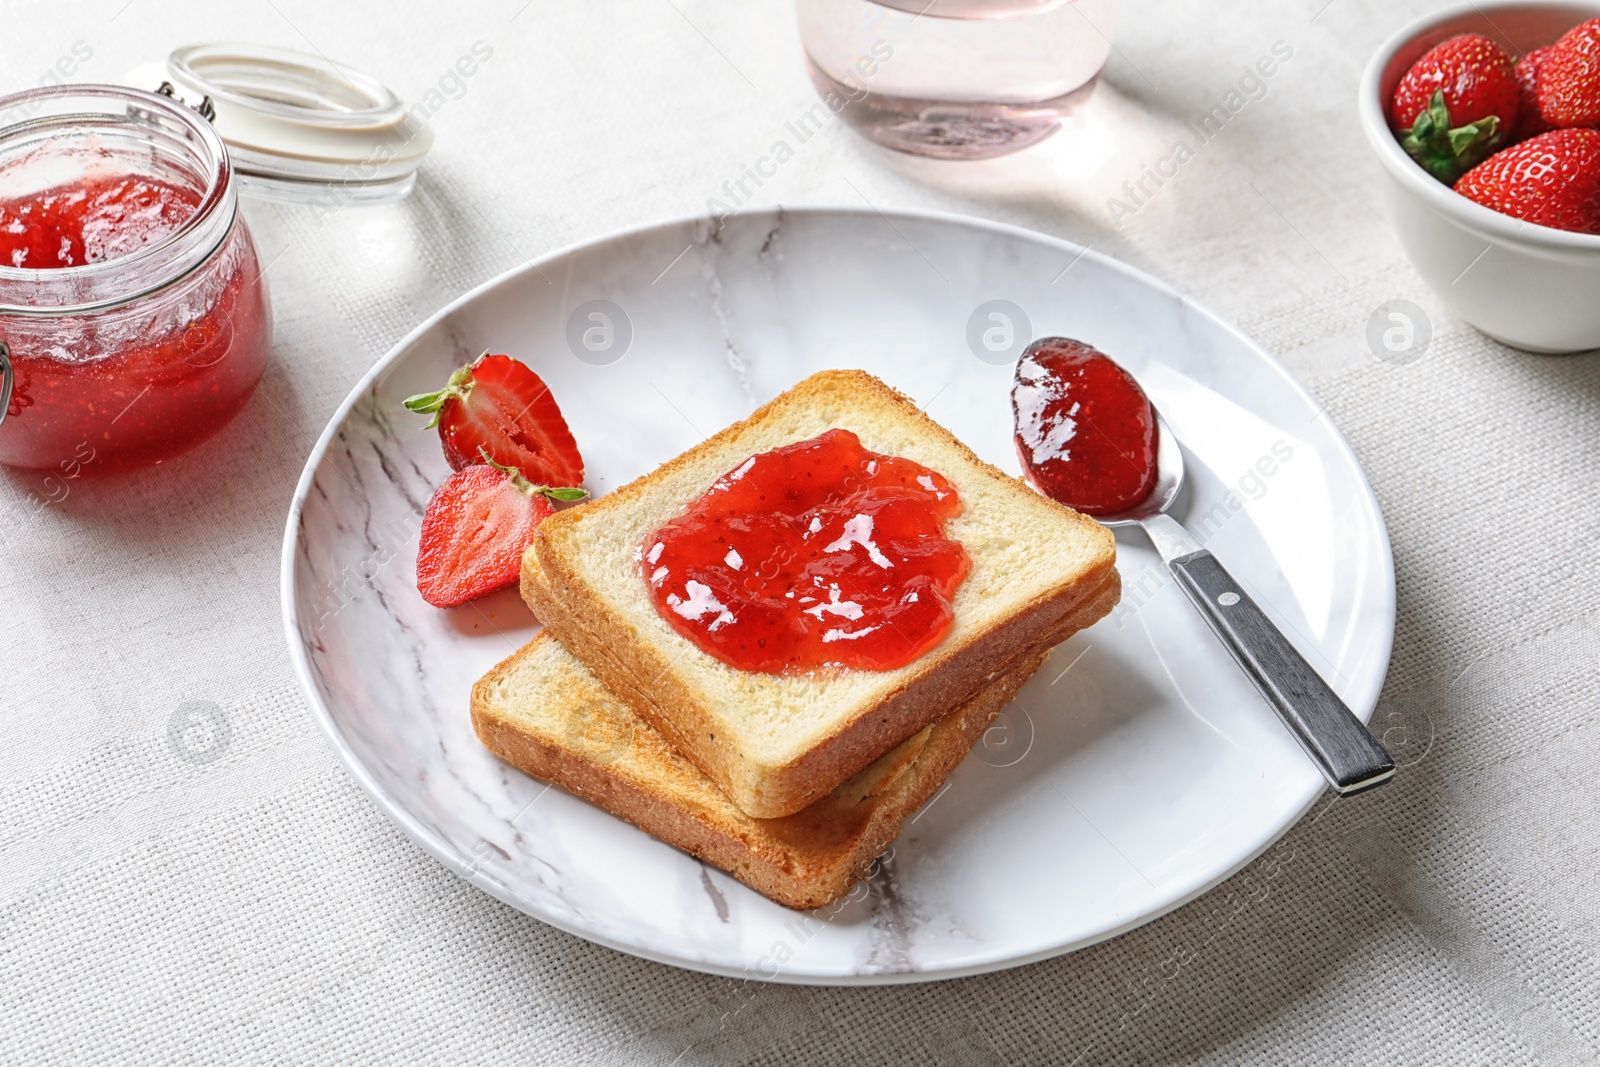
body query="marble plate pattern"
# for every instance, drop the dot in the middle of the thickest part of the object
(1135, 771)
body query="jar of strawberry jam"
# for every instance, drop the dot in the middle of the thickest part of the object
(134, 321)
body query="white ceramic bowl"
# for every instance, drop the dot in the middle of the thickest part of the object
(1528, 286)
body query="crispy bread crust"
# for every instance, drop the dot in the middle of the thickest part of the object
(557, 621)
(803, 861)
(609, 662)
(642, 673)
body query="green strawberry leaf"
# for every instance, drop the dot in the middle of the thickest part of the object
(566, 493)
(1448, 153)
(459, 385)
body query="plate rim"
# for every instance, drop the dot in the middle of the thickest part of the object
(446, 854)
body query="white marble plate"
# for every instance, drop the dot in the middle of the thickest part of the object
(1137, 770)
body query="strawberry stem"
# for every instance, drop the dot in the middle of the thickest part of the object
(527, 488)
(1448, 153)
(459, 387)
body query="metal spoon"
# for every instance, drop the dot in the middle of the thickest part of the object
(1341, 746)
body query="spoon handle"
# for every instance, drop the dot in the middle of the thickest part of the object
(1349, 756)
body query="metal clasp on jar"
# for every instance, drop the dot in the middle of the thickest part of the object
(6, 381)
(206, 108)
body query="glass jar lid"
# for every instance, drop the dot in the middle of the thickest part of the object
(302, 128)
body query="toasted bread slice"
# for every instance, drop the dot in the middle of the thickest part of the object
(544, 713)
(555, 618)
(776, 743)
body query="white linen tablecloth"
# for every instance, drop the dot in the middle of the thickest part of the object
(242, 901)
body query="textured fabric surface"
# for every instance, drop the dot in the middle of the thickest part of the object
(165, 899)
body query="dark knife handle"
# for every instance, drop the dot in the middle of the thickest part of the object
(1349, 756)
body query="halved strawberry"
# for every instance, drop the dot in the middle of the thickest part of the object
(476, 528)
(1552, 180)
(1569, 78)
(498, 406)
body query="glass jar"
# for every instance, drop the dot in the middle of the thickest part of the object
(132, 308)
(956, 79)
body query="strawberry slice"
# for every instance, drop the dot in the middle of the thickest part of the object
(476, 528)
(496, 405)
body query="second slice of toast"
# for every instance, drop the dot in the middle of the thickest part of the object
(544, 713)
(777, 743)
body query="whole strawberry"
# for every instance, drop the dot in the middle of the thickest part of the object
(1530, 122)
(1552, 180)
(1569, 78)
(1456, 104)
(1475, 74)
(475, 530)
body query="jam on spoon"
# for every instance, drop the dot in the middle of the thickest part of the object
(1085, 431)
(814, 554)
